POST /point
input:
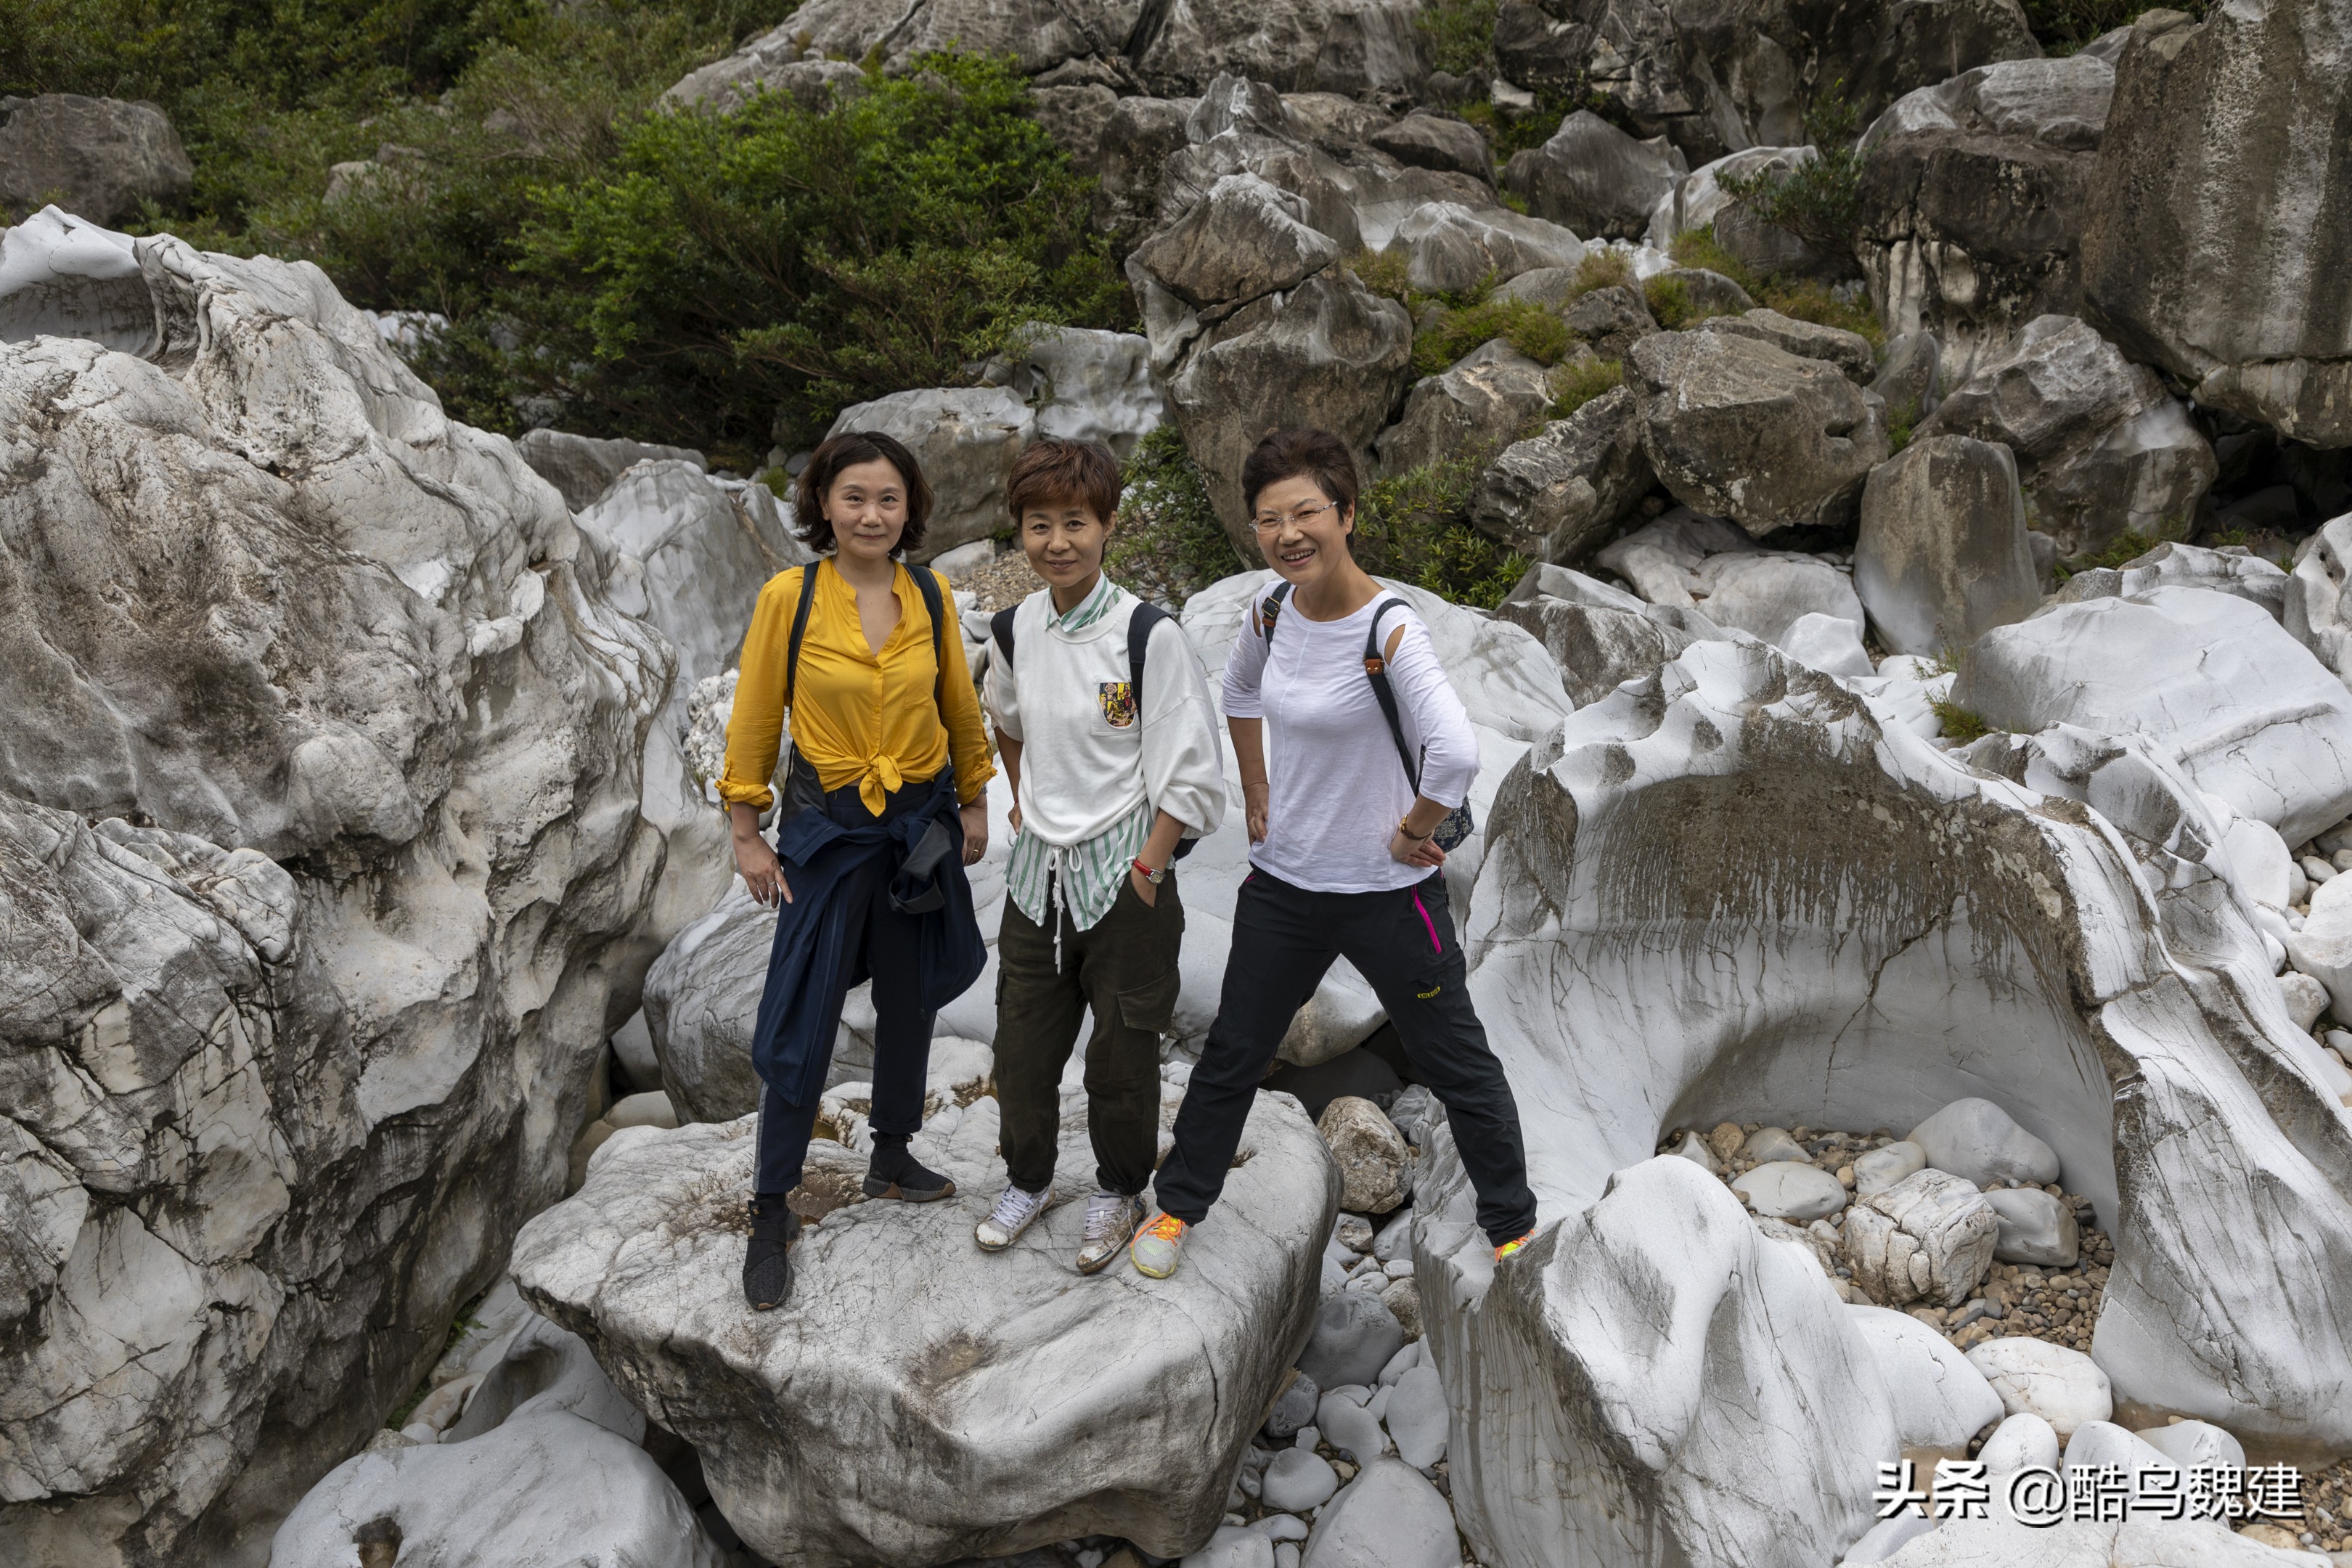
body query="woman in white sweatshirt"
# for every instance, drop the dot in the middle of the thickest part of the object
(1344, 856)
(1102, 721)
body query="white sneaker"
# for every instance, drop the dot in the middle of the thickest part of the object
(1112, 1220)
(1015, 1212)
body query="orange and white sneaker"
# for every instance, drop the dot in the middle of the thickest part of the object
(1508, 1248)
(1157, 1247)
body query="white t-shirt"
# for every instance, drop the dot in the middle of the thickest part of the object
(1337, 786)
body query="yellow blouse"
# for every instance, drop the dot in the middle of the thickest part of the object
(861, 718)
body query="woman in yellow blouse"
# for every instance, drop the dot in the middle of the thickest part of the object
(883, 809)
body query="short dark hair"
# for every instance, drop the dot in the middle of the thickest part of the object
(1080, 472)
(1315, 454)
(847, 450)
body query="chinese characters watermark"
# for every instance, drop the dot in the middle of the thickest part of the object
(2038, 1495)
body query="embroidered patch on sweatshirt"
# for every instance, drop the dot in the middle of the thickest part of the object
(1116, 700)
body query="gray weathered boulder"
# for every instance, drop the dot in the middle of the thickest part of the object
(1330, 354)
(1910, 377)
(1850, 352)
(1129, 156)
(1697, 199)
(966, 438)
(2034, 1228)
(1972, 201)
(1709, 291)
(2196, 163)
(1244, 240)
(1371, 1152)
(1593, 178)
(2209, 681)
(1928, 1238)
(1976, 1140)
(824, 1442)
(1388, 1516)
(1090, 384)
(770, 63)
(290, 1060)
(1943, 557)
(1611, 320)
(583, 467)
(1484, 400)
(2232, 569)
(1078, 119)
(1737, 427)
(2101, 449)
(1452, 249)
(102, 158)
(1598, 647)
(1558, 493)
(1424, 141)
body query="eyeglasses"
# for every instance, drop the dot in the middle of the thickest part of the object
(1273, 523)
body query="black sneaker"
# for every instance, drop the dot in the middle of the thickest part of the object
(893, 1172)
(767, 1261)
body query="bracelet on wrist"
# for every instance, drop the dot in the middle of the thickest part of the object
(1404, 826)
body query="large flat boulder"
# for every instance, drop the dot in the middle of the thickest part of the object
(966, 1429)
(330, 843)
(1737, 427)
(2208, 679)
(2193, 164)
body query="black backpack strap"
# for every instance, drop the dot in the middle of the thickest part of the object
(999, 630)
(1376, 669)
(1138, 643)
(800, 627)
(1268, 609)
(927, 581)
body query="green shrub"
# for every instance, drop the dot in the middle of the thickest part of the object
(1599, 270)
(1415, 528)
(1574, 385)
(1168, 544)
(1458, 35)
(1535, 330)
(1383, 272)
(1960, 725)
(779, 261)
(2126, 548)
(1899, 426)
(1819, 201)
(1800, 299)
(1672, 307)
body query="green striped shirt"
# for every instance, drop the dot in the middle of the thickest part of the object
(1089, 873)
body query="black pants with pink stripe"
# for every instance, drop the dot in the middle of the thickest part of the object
(1284, 938)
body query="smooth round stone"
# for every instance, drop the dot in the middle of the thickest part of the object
(1783, 1191)
(1694, 1148)
(1296, 1408)
(2062, 1385)
(1979, 1142)
(1883, 1168)
(1298, 1480)
(2190, 1444)
(1354, 1233)
(1416, 1417)
(2023, 1441)
(2036, 1227)
(1767, 1143)
(1233, 1546)
(1390, 1516)
(1280, 1527)
(1355, 1334)
(1349, 1426)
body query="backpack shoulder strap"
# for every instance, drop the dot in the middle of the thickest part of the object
(1376, 669)
(999, 630)
(1268, 609)
(800, 627)
(927, 581)
(1138, 643)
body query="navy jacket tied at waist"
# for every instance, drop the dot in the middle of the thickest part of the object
(791, 1044)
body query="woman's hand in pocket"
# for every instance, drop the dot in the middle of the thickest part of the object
(1144, 888)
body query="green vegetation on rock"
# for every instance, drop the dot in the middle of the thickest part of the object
(1168, 544)
(1800, 299)
(1574, 385)
(1415, 528)
(1819, 201)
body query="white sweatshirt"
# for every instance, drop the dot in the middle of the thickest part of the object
(1337, 786)
(1086, 762)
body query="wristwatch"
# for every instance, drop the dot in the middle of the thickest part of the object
(1150, 876)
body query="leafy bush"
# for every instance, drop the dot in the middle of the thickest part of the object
(1168, 544)
(1535, 330)
(1672, 307)
(1800, 299)
(1961, 725)
(1900, 423)
(776, 260)
(1600, 270)
(1574, 385)
(1458, 35)
(1415, 528)
(2066, 25)
(2126, 548)
(1383, 273)
(1819, 201)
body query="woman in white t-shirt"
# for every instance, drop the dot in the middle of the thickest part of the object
(1344, 853)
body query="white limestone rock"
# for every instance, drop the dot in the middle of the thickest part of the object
(1766, 594)
(1928, 1237)
(1977, 1142)
(2021, 1440)
(1417, 1415)
(1940, 1401)
(1831, 644)
(1451, 248)
(2062, 1385)
(2190, 1444)
(1091, 384)
(291, 1062)
(583, 467)
(1782, 1190)
(1388, 1516)
(2042, 921)
(2216, 686)
(2005, 1542)
(823, 1443)
(1298, 1479)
